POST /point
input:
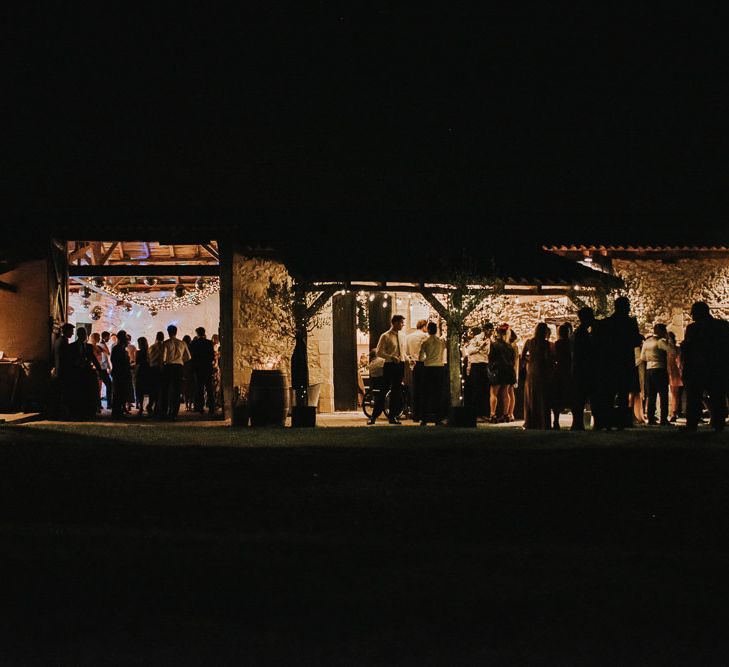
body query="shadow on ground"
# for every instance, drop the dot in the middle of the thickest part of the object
(180, 545)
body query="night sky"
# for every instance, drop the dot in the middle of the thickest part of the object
(565, 128)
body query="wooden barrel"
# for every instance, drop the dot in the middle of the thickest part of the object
(268, 398)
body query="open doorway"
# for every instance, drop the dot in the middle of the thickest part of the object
(142, 287)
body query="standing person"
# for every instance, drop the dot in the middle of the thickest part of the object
(705, 359)
(62, 369)
(414, 341)
(154, 359)
(202, 356)
(105, 362)
(84, 368)
(511, 387)
(500, 373)
(391, 348)
(477, 351)
(539, 370)
(132, 353)
(562, 386)
(174, 356)
(95, 339)
(431, 354)
(636, 398)
(583, 369)
(675, 384)
(121, 374)
(654, 354)
(616, 338)
(188, 378)
(143, 373)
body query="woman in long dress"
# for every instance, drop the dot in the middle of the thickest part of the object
(562, 388)
(675, 383)
(539, 377)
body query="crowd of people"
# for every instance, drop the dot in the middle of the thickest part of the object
(152, 378)
(606, 364)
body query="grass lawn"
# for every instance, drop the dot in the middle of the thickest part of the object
(173, 544)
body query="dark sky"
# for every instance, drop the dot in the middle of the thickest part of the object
(551, 123)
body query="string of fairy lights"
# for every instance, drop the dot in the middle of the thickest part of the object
(181, 296)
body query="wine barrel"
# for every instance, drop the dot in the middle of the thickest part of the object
(268, 398)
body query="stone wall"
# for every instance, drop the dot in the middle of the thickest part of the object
(663, 291)
(254, 347)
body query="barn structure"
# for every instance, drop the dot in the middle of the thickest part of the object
(142, 272)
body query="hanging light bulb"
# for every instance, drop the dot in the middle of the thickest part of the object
(372, 297)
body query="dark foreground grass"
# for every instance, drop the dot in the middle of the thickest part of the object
(177, 545)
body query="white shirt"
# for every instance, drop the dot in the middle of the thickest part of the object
(432, 351)
(155, 353)
(377, 367)
(655, 352)
(392, 346)
(478, 349)
(103, 348)
(414, 341)
(175, 352)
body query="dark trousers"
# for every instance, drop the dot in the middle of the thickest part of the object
(581, 396)
(416, 390)
(611, 403)
(119, 394)
(433, 393)
(656, 384)
(170, 387)
(392, 376)
(716, 390)
(106, 381)
(478, 389)
(204, 387)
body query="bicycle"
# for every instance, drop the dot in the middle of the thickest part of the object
(368, 403)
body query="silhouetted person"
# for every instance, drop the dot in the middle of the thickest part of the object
(121, 374)
(654, 353)
(477, 380)
(583, 367)
(539, 359)
(562, 388)
(60, 354)
(203, 358)
(84, 369)
(616, 338)
(414, 341)
(392, 348)
(705, 358)
(154, 357)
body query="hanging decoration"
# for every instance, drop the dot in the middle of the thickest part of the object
(200, 283)
(85, 291)
(363, 323)
(96, 313)
(98, 282)
(171, 302)
(179, 291)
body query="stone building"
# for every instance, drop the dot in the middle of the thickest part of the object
(44, 277)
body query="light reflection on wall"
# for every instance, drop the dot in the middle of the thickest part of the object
(139, 322)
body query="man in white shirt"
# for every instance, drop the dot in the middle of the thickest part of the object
(392, 348)
(104, 376)
(414, 341)
(431, 355)
(655, 355)
(477, 383)
(174, 356)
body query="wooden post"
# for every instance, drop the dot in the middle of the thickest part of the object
(226, 326)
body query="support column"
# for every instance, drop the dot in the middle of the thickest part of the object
(226, 325)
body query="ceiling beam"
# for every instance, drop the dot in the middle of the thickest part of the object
(208, 248)
(145, 270)
(107, 255)
(78, 254)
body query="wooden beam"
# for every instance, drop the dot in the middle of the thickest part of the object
(145, 270)
(321, 300)
(96, 252)
(172, 250)
(121, 250)
(211, 251)
(105, 257)
(79, 253)
(435, 302)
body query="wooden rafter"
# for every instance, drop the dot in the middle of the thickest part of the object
(107, 255)
(212, 251)
(121, 251)
(146, 270)
(79, 253)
